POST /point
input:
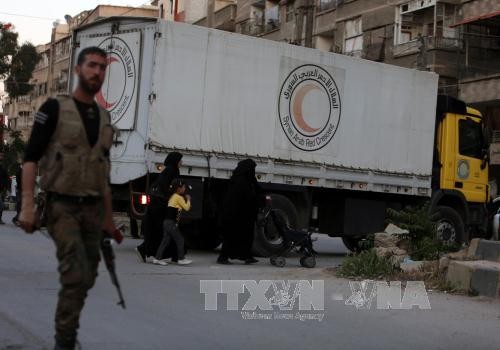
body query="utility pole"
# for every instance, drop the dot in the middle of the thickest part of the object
(210, 13)
(309, 22)
(305, 9)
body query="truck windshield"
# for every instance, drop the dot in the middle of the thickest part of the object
(470, 138)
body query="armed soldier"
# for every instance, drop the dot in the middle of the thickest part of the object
(70, 142)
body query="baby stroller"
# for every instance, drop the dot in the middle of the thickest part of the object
(293, 240)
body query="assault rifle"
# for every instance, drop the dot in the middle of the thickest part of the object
(109, 259)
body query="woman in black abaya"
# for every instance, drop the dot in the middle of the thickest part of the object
(152, 228)
(238, 214)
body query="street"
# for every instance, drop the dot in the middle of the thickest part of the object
(165, 309)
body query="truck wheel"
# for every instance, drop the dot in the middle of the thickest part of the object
(352, 243)
(449, 226)
(267, 240)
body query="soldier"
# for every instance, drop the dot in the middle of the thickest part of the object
(70, 142)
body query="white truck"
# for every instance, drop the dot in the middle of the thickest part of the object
(337, 139)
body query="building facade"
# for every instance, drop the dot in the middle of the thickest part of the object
(52, 73)
(457, 39)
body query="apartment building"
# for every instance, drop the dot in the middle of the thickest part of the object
(457, 39)
(52, 73)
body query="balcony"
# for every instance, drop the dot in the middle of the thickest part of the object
(425, 44)
(223, 18)
(255, 28)
(481, 58)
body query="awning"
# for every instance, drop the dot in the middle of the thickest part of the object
(476, 18)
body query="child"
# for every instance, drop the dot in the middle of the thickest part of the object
(176, 204)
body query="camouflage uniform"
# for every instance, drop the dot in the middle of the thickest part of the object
(76, 231)
(75, 177)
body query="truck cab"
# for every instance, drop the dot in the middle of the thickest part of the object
(460, 173)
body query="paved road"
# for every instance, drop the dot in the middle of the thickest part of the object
(165, 309)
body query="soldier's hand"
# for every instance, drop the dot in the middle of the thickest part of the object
(117, 236)
(27, 216)
(113, 231)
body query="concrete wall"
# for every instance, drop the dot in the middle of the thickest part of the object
(103, 11)
(325, 22)
(378, 17)
(483, 90)
(479, 7)
(223, 18)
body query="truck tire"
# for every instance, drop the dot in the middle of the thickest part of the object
(267, 241)
(352, 243)
(449, 226)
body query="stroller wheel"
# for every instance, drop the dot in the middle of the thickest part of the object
(272, 260)
(279, 261)
(308, 261)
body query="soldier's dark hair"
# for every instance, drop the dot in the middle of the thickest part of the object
(91, 50)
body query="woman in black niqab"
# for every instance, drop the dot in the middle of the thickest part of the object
(238, 214)
(152, 228)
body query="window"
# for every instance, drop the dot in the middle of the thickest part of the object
(470, 138)
(327, 5)
(24, 118)
(272, 18)
(256, 23)
(417, 17)
(446, 16)
(353, 44)
(162, 11)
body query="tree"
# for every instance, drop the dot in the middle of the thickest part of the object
(8, 47)
(13, 151)
(16, 62)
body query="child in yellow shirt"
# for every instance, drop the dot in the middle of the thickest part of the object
(176, 204)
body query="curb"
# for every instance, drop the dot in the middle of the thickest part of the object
(480, 277)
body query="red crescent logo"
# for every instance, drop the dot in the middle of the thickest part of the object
(100, 97)
(297, 108)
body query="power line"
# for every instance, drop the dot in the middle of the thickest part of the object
(28, 16)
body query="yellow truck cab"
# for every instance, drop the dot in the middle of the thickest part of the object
(460, 172)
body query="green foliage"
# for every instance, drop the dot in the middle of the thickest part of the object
(8, 48)
(13, 151)
(414, 219)
(368, 242)
(426, 248)
(422, 237)
(16, 63)
(366, 264)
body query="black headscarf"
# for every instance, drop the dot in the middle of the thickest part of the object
(245, 168)
(173, 158)
(170, 172)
